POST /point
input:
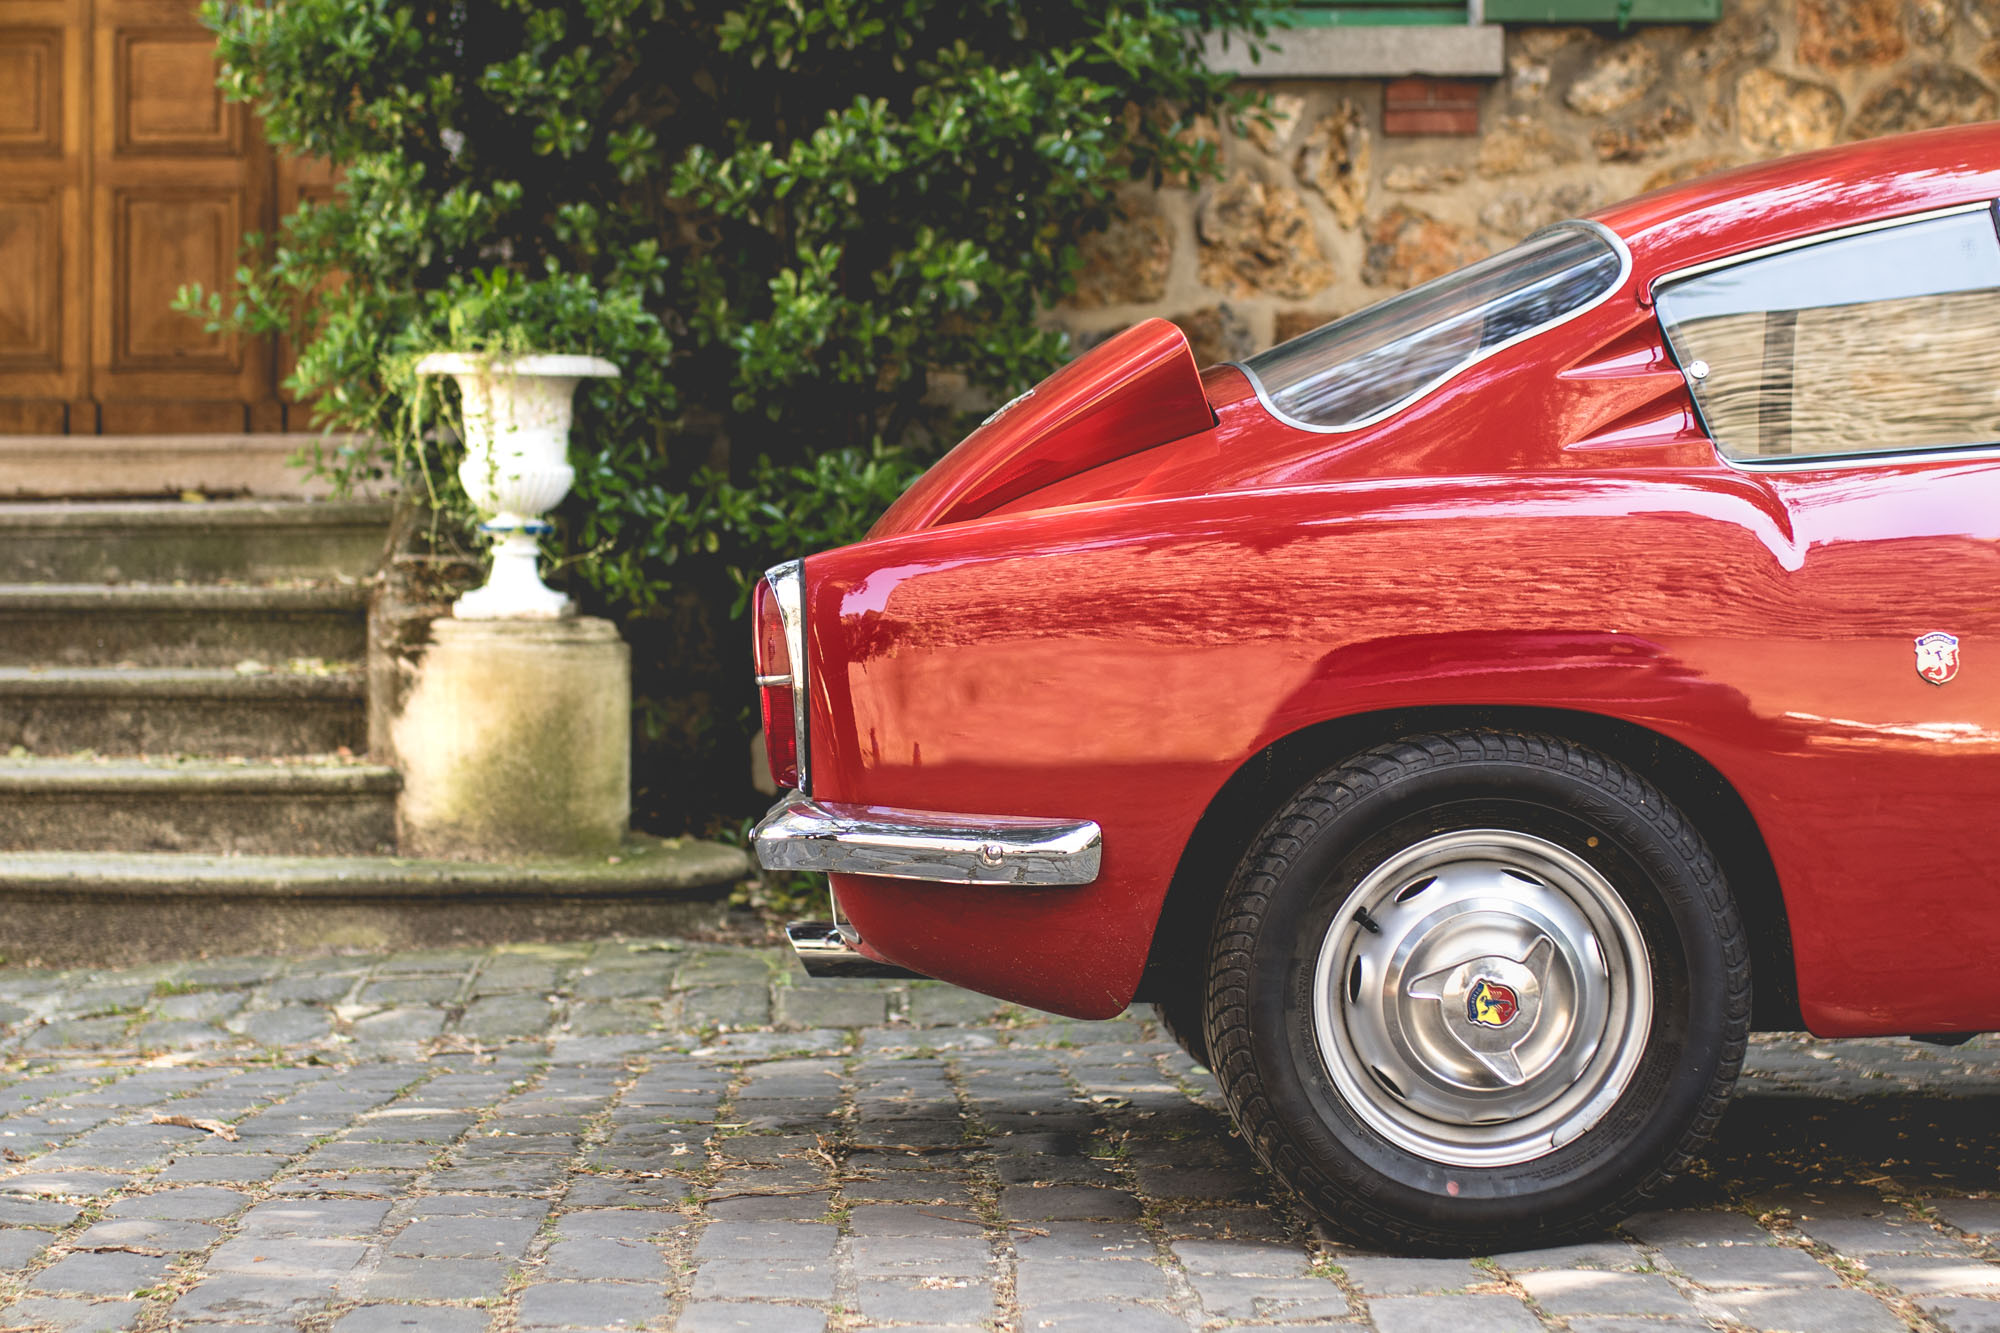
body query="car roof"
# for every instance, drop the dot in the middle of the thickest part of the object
(1772, 202)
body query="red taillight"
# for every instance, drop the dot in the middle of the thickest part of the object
(771, 651)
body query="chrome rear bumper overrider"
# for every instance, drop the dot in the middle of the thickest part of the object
(825, 950)
(800, 833)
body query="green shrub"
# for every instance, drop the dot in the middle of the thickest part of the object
(788, 223)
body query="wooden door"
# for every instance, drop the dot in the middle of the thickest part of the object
(44, 314)
(123, 175)
(178, 177)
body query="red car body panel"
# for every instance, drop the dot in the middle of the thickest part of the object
(1548, 530)
(1135, 391)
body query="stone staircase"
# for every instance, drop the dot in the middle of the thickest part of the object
(183, 751)
(187, 677)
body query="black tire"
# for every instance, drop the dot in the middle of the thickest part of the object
(1181, 1019)
(1373, 1158)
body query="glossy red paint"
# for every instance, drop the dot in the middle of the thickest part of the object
(1772, 202)
(1549, 531)
(1135, 391)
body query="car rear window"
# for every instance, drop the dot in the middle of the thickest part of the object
(1357, 370)
(1861, 344)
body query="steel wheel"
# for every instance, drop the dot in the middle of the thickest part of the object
(1476, 990)
(1482, 998)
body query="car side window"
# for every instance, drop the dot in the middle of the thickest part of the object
(1880, 341)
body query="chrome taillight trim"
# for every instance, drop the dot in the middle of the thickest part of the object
(800, 833)
(788, 588)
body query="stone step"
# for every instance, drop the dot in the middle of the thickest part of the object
(323, 808)
(108, 909)
(156, 541)
(76, 466)
(186, 710)
(152, 624)
(163, 465)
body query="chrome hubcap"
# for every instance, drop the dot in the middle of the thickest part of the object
(1482, 998)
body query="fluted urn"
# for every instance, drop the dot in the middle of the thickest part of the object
(516, 411)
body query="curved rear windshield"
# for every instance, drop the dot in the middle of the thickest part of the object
(1359, 369)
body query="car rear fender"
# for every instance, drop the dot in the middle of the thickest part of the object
(1270, 777)
(1121, 663)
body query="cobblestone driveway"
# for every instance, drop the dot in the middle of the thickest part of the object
(616, 1137)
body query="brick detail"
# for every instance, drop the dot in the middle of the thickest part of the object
(1430, 106)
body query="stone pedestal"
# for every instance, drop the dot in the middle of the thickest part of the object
(515, 741)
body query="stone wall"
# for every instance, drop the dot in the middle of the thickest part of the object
(1321, 213)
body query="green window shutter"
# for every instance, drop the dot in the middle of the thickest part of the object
(1374, 13)
(1620, 12)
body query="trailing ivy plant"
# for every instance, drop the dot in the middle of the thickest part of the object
(808, 231)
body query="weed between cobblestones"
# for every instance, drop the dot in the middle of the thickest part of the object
(521, 1271)
(1181, 1297)
(1502, 1283)
(832, 1153)
(706, 1177)
(1852, 1274)
(983, 1192)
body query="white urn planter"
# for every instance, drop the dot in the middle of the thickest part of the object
(516, 469)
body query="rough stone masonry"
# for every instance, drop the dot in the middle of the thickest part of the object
(647, 1134)
(1320, 214)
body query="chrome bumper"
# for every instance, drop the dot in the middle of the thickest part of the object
(800, 833)
(825, 950)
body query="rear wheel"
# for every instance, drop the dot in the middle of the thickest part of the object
(1477, 989)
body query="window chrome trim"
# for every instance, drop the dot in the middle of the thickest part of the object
(1986, 451)
(799, 833)
(1653, 285)
(788, 587)
(1812, 462)
(1616, 285)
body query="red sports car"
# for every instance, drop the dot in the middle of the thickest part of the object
(1469, 720)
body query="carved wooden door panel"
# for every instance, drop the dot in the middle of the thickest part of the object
(178, 175)
(44, 323)
(123, 175)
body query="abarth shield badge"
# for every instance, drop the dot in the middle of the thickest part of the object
(1490, 1004)
(1937, 657)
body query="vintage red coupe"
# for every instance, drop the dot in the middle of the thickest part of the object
(1469, 720)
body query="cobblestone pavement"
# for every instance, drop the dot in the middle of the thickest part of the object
(629, 1135)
